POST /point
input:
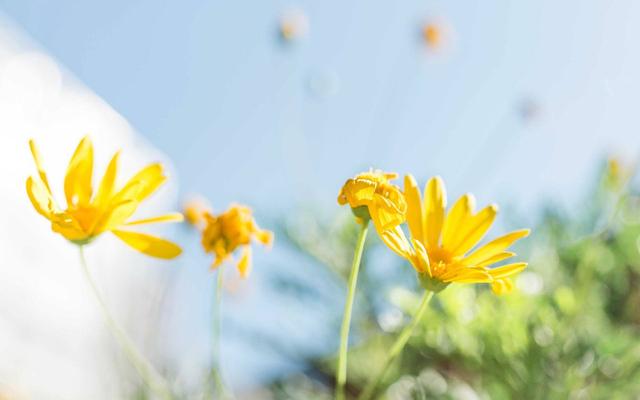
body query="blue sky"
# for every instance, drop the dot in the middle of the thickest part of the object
(210, 85)
(242, 117)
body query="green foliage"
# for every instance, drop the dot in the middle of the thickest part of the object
(571, 330)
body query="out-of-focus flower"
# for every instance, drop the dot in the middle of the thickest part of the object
(294, 24)
(432, 34)
(440, 245)
(226, 232)
(90, 214)
(372, 196)
(618, 172)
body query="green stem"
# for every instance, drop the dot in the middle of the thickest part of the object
(216, 367)
(149, 375)
(397, 347)
(341, 372)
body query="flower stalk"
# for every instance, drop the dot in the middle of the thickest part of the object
(147, 372)
(341, 372)
(216, 328)
(397, 347)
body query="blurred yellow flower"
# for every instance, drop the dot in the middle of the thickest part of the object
(440, 245)
(90, 214)
(372, 196)
(432, 34)
(294, 24)
(234, 228)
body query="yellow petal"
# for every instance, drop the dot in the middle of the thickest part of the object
(502, 286)
(422, 258)
(507, 270)
(68, 227)
(265, 237)
(172, 217)
(116, 216)
(357, 192)
(414, 207)
(474, 230)
(470, 275)
(149, 245)
(435, 203)
(105, 190)
(77, 182)
(143, 184)
(459, 214)
(40, 197)
(384, 214)
(38, 160)
(244, 265)
(397, 241)
(492, 260)
(494, 247)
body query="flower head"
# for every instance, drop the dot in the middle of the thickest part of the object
(441, 245)
(371, 195)
(226, 232)
(432, 34)
(89, 214)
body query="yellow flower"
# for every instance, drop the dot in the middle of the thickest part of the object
(226, 232)
(440, 247)
(371, 195)
(432, 34)
(90, 214)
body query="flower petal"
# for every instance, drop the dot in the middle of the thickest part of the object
(474, 230)
(414, 207)
(244, 265)
(435, 203)
(105, 190)
(492, 260)
(502, 286)
(397, 241)
(40, 197)
(172, 217)
(38, 161)
(77, 181)
(494, 247)
(507, 270)
(470, 275)
(385, 214)
(422, 257)
(264, 236)
(149, 245)
(455, 221)
(115, 216)
(143, 184)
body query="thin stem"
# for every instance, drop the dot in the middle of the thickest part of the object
(397, 347)
(341, 372)
(147, 373)
(216, 327)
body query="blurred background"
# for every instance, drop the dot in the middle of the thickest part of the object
(274, 104)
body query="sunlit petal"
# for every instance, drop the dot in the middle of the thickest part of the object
(77, 181)
(435, 203)
(173, 217)
(149, 245)
(474, 230)
(414, 207)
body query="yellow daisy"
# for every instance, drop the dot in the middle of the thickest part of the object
(226, 232)
(441, 245)
(90, 214)
(371, 195)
